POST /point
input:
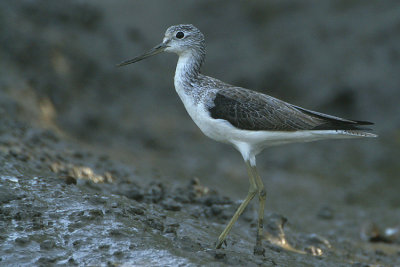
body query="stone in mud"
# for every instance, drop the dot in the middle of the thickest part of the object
(170, 204)
(171, 228)
(219, 255)
(155, 192)
(187, 243)
(47, 244)
(77, 243)
(6, 196)
(215, 199)
(317, 241)
(135, 194)
(325, 213)
(155, 224)
(22, 240)
(136, 210)
(69, 180)
(315, 251)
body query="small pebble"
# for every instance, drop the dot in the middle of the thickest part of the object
(136, 210)
(360, 264)
(170, 204)
(104, 246)
(314, 251)
(70, 180)
(155, 224)
(135, 194)
(325, 213)
(22, 240)
(47, 244)
(219, 255)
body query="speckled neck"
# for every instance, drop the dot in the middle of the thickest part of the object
(188, 68)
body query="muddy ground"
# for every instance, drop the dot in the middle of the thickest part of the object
(102, 166)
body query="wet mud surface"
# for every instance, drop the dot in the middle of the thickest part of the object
(90, 211)
(101, 166)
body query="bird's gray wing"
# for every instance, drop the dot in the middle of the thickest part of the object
(249, 110)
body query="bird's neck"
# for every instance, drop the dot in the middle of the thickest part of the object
(188, 68)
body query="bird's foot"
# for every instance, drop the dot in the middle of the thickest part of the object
(219, 243)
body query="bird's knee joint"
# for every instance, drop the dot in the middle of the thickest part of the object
(262, 193)
(260, 226)
(253, 191)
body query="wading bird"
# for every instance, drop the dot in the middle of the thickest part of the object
(248, 120)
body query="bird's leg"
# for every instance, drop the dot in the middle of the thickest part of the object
(262, 194)
(250, 195)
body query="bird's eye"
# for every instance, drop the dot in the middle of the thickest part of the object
(179, 35)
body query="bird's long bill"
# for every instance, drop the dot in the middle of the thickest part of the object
(154, 51)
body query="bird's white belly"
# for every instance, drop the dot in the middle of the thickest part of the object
(219, 130)
(200, 115)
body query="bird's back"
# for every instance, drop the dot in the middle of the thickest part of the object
(250, 110)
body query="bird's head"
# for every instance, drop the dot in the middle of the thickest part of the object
(178, 39)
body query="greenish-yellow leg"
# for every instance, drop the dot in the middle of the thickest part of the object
(250, 195)
(262, 195)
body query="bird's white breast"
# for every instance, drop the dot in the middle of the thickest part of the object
(199, 113)
(196, 109)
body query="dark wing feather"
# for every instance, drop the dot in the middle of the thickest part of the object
(249, 110)
(335, 123)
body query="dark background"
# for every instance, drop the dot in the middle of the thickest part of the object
(340, 57)
(57, 62)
